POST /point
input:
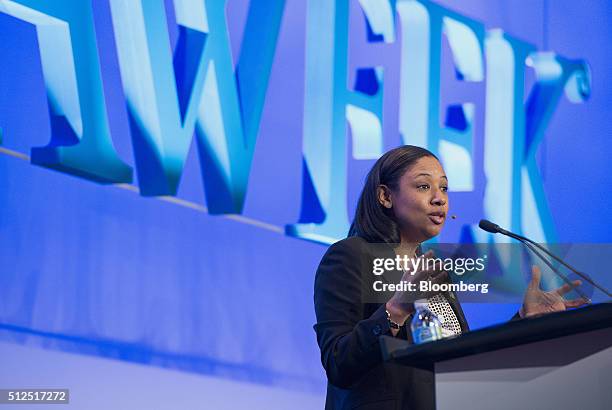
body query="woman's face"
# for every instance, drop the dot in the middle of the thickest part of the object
(420, 202)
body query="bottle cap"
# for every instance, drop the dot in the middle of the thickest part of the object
(420, 304)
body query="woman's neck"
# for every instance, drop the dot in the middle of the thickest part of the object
(408, 245)
(407, 248)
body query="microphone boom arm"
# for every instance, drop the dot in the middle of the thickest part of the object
(531, 245)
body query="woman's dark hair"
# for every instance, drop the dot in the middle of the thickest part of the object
(373, 221)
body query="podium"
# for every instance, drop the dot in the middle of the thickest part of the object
(557, 361)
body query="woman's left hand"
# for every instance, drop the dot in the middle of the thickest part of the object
(539, 302)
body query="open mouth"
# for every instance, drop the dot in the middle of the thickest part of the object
(437, 218)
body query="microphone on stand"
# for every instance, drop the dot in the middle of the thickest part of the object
(534, 247)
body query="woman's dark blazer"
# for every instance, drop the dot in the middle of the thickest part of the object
(348, 330)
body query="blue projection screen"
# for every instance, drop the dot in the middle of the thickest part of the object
(171, 172)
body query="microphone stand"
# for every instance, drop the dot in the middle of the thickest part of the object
(555, 257)
(561, 275)
(534, 247)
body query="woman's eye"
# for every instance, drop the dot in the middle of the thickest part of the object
(444, 189)
(423, 186)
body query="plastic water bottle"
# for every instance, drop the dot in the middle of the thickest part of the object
(425, 326)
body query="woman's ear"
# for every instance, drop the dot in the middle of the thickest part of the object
(383, 193)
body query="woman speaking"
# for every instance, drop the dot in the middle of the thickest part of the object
(404, 202)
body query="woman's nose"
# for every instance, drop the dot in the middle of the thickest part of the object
(438, 198)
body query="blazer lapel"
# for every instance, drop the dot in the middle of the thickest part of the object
(454, 302)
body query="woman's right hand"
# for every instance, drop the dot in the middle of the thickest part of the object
(401, 304)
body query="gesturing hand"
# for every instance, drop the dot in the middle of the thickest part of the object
(539, 302)
(401, 303)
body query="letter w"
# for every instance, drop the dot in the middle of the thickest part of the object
(196, 90)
